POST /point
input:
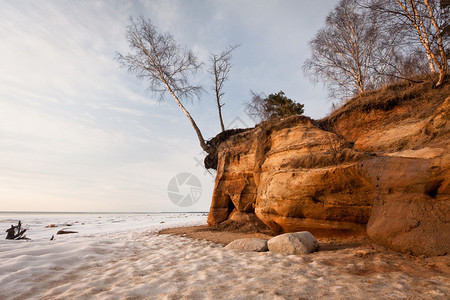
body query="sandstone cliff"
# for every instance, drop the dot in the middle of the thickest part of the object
(380, 163)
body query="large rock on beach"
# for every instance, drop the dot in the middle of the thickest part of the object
(293, 243)
(248, 244)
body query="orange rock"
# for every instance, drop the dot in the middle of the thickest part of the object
(387, 169)
(411, 210)
(269, 171)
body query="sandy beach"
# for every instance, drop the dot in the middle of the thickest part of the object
(140, 263)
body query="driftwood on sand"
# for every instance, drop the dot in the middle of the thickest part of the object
(16, 232)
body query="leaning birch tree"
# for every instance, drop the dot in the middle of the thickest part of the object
(157, 58)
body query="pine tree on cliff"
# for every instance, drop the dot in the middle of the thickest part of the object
(272, 107)
(166, 65)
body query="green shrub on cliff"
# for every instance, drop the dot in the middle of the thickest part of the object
(273, 107)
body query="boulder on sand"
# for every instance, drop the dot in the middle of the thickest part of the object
(248, 244)
(293, 243)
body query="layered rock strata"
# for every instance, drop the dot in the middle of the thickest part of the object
(390, 177)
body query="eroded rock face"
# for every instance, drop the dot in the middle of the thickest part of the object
(268, 171)
(411, 211)
(391, 177)
(235, 188)
(335, 197)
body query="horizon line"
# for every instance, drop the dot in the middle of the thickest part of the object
(103, 212)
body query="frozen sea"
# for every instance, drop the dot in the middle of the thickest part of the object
(93, 225)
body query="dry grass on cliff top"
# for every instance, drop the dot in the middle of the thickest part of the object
(421, 94)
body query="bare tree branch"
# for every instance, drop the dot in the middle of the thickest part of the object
(342, 51)
(422, 22)
(220, 65)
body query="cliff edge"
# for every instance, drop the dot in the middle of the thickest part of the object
(379, 164)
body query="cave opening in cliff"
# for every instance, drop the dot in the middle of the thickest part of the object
(231, 206)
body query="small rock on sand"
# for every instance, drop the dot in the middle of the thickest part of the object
(293, 243)
(248, 244)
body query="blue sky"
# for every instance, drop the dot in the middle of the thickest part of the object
(77, 133)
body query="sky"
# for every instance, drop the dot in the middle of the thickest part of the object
(78, 133)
